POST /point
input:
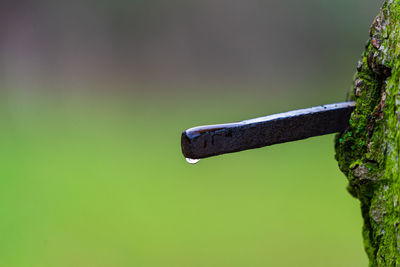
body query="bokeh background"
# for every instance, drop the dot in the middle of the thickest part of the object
(94, 97)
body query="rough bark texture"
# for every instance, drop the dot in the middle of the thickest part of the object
(368, 151)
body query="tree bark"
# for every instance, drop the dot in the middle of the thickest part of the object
(368, 152)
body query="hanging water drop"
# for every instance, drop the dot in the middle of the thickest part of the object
(192, 161)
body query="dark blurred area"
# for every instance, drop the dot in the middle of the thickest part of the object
(58, 43)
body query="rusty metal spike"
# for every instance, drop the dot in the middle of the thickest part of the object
(212, 140)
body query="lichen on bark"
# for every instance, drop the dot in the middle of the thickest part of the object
(368, 151)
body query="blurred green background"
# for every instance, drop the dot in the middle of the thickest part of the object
(94, 97)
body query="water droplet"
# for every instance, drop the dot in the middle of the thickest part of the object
(192, 161)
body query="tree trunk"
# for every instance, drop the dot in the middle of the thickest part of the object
(368, 151)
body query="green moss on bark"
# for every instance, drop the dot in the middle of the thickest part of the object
(368, 151)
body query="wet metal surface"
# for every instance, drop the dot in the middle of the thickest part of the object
(212, 140)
